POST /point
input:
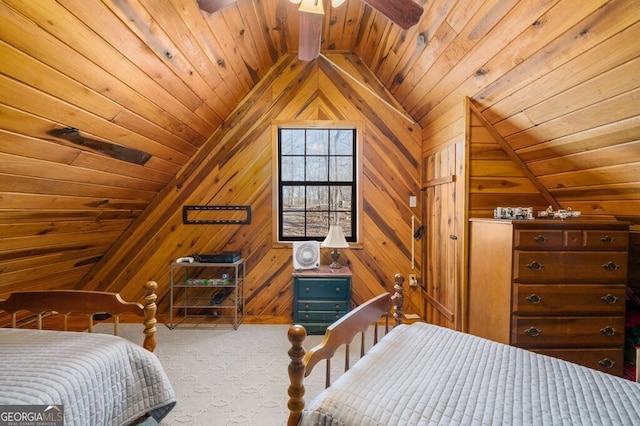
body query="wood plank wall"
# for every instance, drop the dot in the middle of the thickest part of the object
(234, 168)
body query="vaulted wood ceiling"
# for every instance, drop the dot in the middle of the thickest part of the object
(103, 104)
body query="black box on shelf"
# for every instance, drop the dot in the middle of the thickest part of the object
(221, 257)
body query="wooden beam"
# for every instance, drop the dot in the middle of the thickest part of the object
(515, 158)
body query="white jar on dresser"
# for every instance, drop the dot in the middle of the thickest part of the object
(551, 286)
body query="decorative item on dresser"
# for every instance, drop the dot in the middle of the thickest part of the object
(551, 286)
(320, 296)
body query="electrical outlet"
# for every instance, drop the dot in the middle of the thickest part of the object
(413, 280)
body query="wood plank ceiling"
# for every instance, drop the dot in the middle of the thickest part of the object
(103, 104)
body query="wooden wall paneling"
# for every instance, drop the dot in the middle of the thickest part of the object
(510, 170)
(12, 183)
(614, 154)
(184, 42)
(592, 139)
(445, 65)
(35, 42)
(496, 53)
(56, 172)
(156, 32)
(28, 100)
(441, 23)
(529, 55)
(546, 73)
(189, 183)
(621, 80)
(233, 57)
(342, 26)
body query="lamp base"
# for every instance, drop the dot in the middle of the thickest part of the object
(335, 255)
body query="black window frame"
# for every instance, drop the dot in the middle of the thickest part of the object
(332, 212)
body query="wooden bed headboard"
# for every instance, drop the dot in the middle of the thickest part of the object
(339, 333)
(85, 302)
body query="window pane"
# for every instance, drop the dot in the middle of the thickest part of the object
(344, 220)
(292, 169)
(341, 197)
(293, 198)
(340, 169)
(317, 198)
(317, 224)
(317, 169)
(293, 224)
(316, 182)
(317, 142)
(292, 141)
(341, 142)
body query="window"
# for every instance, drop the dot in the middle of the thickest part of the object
(316, 182)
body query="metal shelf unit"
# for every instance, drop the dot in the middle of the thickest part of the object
(200, 292)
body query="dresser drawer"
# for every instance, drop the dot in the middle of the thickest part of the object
(607, 360)
(569, 299)
(539, 239)
(570, 239)
(543, 266)
(319, 288)
(326, 317)
(570, 331)
(322, 305)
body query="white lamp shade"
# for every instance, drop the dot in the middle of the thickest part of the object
(336, 3)
(335, 238)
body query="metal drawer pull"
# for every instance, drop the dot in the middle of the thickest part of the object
(337, 306)
(306, 316)
(610, 266)
(607, 239)
(535, 265)
(540, 239)
(306, 306)
(532, 331)
(609, 298)
(607, 363)
(307, 289)
(608, 331)
(337, 289)
(533, 298)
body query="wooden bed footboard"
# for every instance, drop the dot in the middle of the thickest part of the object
(339, 333)
(84, 302)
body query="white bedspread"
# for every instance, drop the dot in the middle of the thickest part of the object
(427, 375)
(99, 379)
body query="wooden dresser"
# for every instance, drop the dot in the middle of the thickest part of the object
(550, 286)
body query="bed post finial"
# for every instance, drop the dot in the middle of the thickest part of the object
(150, 321)
(296, 335)
(398, 298)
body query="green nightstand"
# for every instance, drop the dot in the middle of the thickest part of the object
(320, 297)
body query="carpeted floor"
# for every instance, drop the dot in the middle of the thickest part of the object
(224, 376)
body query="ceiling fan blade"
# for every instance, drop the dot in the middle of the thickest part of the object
(310, 36)
(404, 13)
(212, 6)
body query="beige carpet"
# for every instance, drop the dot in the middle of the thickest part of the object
(224, 376)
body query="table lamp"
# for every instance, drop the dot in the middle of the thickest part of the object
(335, 240)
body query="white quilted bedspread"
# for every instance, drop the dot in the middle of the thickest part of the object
(99, 379)
(428, 375)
